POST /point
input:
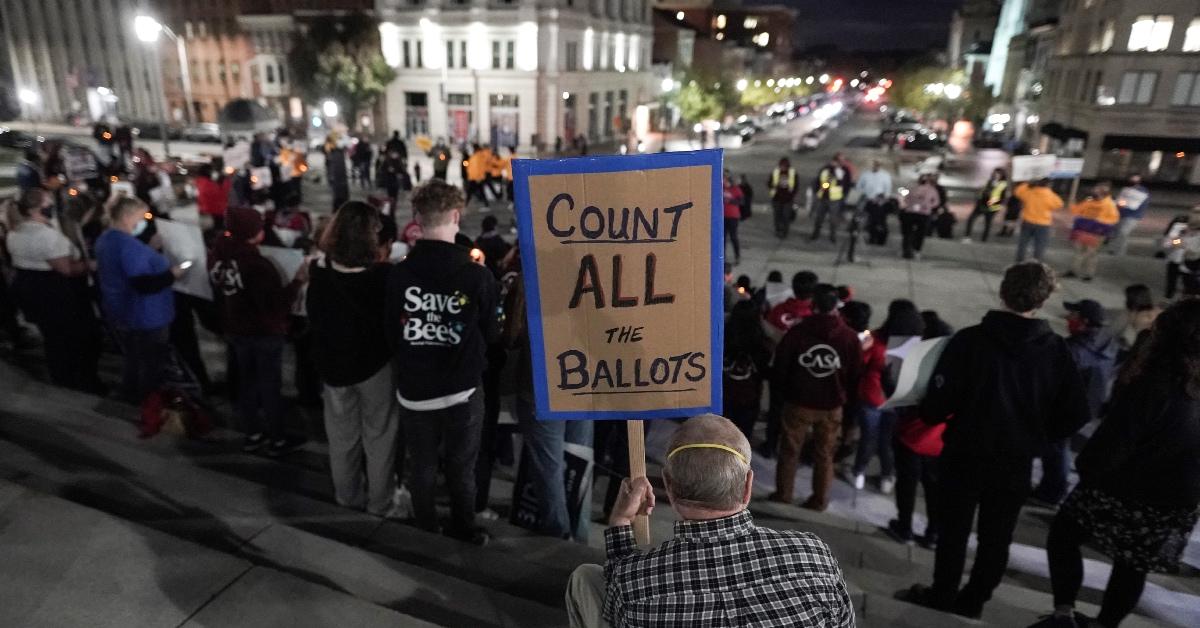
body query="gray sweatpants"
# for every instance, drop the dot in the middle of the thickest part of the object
(361, 421)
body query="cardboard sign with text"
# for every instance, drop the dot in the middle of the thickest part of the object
(623, 259)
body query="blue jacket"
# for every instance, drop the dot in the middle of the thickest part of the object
(126, 266)
(1095, 356)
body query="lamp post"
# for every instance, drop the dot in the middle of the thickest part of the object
(148, 31)
(30, 99)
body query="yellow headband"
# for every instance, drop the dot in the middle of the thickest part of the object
(731, 450)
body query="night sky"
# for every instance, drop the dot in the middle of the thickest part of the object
(870, 24)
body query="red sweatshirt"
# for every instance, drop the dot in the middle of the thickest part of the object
(254, 299)
(818, 362)
(212, 198)
(870, 384)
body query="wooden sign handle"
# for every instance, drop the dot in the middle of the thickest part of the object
(637, 469)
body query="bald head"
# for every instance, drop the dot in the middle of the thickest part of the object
(711, 478)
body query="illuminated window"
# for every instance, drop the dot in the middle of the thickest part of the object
(1151, 33)
(750, 23)
(1191, 41)
(720, 21)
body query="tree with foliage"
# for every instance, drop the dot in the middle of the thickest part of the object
(697, 104)
(340, 58)
(760, 95)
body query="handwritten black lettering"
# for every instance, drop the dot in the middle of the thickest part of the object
(651, 298)
(559, 233)
(617, 299)
(588, 280)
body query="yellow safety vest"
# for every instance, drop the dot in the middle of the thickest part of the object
(997, 195)
(832, 186)
(791, 178)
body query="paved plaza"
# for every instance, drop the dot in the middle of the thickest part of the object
(100, 528)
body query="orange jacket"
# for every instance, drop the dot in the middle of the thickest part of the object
(1038, 204)
(1103, 211)
(478, 164)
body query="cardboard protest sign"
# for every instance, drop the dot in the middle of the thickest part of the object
(918, 359)
(287, 262)
(623, 260)
(237, 156)
(1032, 167)
(183, 242)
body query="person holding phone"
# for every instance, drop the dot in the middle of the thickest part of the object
(136, 296)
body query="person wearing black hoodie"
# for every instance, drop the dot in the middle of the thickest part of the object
(345, 314)
(1004, 388)
(1139, 475)
(442, 311)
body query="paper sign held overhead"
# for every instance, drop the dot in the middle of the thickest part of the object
(623, 261)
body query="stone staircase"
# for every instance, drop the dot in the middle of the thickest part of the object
(101, 528)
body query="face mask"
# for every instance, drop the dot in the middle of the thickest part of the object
(1076, 325)
(140, 227)
(48, 212)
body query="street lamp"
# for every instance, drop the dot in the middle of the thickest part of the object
(742, 84)
(30, 99)
(824, 79)
(952, 91)
(329, 108)
(668, 84)
(148, 30)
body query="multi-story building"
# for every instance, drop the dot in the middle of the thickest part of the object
(1123, 88)
(217, 54)
(733, 39)
(971, 29)
(1029, 52)
(80, 59)
(516, 72)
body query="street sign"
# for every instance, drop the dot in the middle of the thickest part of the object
(623, 260)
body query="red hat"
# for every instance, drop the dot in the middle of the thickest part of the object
(243, 223)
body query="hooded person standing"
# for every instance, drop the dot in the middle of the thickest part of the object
(442, 312)
(816, 367)
(1095, 353)
(1004, 388)
(255, 303)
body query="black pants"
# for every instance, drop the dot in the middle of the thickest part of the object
(185, 340)
(913, 228)
(612, 441)
(782, 213)
(981, 211)
(454, 431)
(1125, 584)
(147, 361)
(731, 232)
(341, 194)
(260, 381)
(964, 489)
(744, 415)
(774, 418)
(912, 467)
(877, 229)
(1174, 274)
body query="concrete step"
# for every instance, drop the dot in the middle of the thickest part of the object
(66, 565)
(97, 461)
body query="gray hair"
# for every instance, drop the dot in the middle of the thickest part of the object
(709, 478)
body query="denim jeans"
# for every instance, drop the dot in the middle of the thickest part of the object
(1038, 235)
(147, 361)
(1056, 467)
(260, 383)
(1120, 240)
(545, 442)
(876, 438)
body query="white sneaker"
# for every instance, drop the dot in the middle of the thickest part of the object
(487, 514)
(402, 507)
(965, 240)
(886, 485)
(860, 481)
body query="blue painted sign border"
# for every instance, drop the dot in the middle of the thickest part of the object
(525, 168)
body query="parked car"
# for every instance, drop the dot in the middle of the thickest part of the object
(12, 138)
(203, 132)
(153, 131)
(809, 141)
(921, 139)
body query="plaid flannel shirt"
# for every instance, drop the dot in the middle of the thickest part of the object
(725, 572)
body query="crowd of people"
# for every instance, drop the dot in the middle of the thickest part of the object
(410, 338)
